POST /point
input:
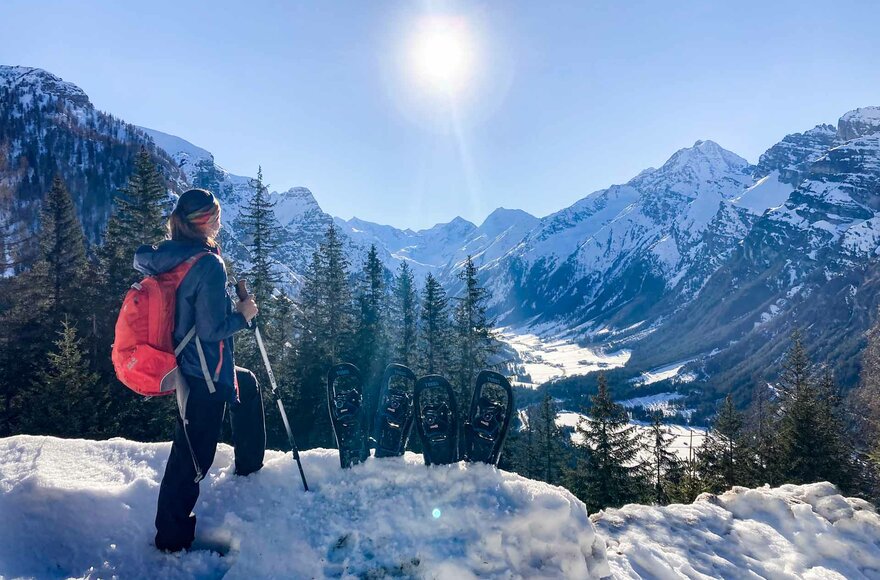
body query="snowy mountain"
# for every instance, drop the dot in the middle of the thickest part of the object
(84, 509)
(810, 263)
(614, 257)
(706, 254)
(49, 127)
(442, 249)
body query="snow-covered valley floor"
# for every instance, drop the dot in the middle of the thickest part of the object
(545, 359)
(84, 509)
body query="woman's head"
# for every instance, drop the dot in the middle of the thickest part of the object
(196, 217)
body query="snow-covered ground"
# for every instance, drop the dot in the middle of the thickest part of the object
(546, 359)
(666, 403)
(663, 373)
(789, 532)
(658, 402)
(84, 509)
(684, 439)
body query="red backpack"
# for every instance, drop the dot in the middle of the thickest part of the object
(143, 351)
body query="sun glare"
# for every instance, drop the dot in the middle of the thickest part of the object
(441, 52)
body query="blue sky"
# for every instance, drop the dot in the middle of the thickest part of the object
(565, 98)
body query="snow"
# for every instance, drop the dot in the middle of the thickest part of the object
(807, 531)
(175, 145)
(860, 122)
(658, 402)
(663, 373)
(767, 192)
(545, 359)
(84, 509)
(293, 204)
(76, 508)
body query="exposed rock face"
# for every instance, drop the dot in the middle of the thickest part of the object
(859, 123)
(791, 156)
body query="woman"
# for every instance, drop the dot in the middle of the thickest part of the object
(206, 320)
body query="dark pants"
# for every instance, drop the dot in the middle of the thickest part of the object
(175, 522)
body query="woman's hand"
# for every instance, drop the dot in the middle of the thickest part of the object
(247, 308)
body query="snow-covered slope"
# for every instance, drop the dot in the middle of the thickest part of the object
(810, 263)
(609, 259)
(74, 508)
(84, 509)
(808, 531)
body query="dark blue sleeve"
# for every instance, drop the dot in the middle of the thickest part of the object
(214, 319)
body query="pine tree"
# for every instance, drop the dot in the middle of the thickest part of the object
(139, 218)
(473, 332)
(435, 333)
(326, 322)
(370, 336)
(404, 320)
(834, 451)
(520, 454)
(548, 452)
(798, 426)
(722, 462)
(24, 339)
(664, 464)
(64, 400)
(55, 287)
(761, 436)
(312, 357)
(339, 319)
(260, 230)
(62, 249)
(812, 443)
(615, 475)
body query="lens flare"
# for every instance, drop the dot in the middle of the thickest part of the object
(436, 513)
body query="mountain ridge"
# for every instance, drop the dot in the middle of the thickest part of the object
(634, 265)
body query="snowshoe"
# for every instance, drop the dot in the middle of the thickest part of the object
(488, 419)
(394, 416)
(436, 416)
(345, 398)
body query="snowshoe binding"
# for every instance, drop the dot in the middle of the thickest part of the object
(436, 416)
(345, 398)
(394, 416)
(488, 419)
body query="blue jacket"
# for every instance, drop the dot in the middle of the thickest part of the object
(202, 301)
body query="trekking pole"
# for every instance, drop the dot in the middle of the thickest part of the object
(241, 290)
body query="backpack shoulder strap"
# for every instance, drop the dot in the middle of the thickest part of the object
(188, 264)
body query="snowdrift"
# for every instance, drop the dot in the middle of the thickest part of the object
(76, 508)
(84, 509)
(792, 531)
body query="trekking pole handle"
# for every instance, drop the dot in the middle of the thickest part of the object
(241, 289)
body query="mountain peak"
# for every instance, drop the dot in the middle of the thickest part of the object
(859, 123)
(41, 82)
(703, 163)
(504, 218)
(706, 155)
(457, 223)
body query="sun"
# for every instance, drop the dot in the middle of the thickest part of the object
(442, 54)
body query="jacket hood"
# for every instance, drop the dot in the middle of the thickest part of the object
(160, 258)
